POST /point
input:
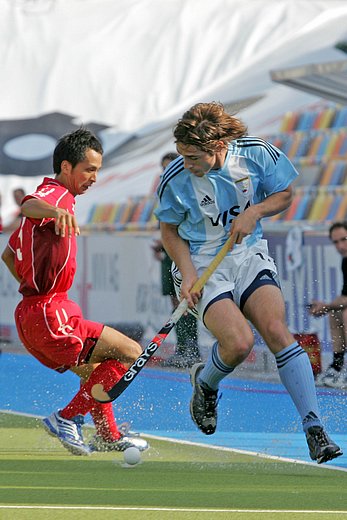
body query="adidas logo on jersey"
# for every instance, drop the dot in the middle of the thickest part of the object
(206, 201)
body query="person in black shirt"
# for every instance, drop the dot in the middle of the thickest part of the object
(337, 310)
(187, 350)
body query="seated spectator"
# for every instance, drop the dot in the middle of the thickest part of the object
(337, 311)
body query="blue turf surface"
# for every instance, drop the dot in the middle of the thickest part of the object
(253, 415)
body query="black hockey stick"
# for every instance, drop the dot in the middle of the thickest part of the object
(98, 391)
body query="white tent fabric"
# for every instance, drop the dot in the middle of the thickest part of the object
(134, 66)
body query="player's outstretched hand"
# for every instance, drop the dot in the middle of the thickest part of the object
(66, 222)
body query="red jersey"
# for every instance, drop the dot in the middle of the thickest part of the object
(45, 262)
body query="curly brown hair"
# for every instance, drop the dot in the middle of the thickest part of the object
(206, 123)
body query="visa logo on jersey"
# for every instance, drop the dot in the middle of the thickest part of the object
(228, 216)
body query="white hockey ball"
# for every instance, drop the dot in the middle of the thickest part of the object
(132, 456)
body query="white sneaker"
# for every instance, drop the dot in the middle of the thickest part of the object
(344, 380)
(319, 379)
(69, 432)
(126, 441)
(333, 379)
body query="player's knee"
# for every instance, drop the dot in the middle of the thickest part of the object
(237, 349)
(276, 332)
(242, 350)
(134, 350)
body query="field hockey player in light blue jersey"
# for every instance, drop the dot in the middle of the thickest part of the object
(224, 183)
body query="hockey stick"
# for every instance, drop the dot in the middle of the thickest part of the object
(98, 391)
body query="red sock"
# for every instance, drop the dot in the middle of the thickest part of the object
(105, 424)
(107, 374)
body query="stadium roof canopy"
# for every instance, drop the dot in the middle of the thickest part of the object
(326, 80)
(130, 78)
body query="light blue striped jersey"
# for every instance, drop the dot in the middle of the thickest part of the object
(204, 207)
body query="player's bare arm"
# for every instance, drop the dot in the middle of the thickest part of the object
(245, 223)
(178, 251)
(38, 209)
(9, 258)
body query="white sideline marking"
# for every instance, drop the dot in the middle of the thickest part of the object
(212, 447)
(177, 509)
(11, 412)
(244, 452)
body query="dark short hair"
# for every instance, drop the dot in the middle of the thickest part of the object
(337, 225)
(169, 156)
(72, 147)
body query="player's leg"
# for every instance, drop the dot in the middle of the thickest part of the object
(108, 436)
(187, 340)
(187, 349)
(102, 414)
(266, 310)
(66, 424)
(58, 336)
(333, 376)
(234, 342)
(224, 320)
(115, 345)
(93, 344)
(110, 344)
(87, 343)
(44, 337)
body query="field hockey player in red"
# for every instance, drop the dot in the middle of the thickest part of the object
(41, 255)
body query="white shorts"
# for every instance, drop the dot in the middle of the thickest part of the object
(239, 274)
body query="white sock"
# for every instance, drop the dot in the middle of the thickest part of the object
(296, 374)
(214, 370)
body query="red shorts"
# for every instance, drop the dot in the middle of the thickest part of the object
(54, 331)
